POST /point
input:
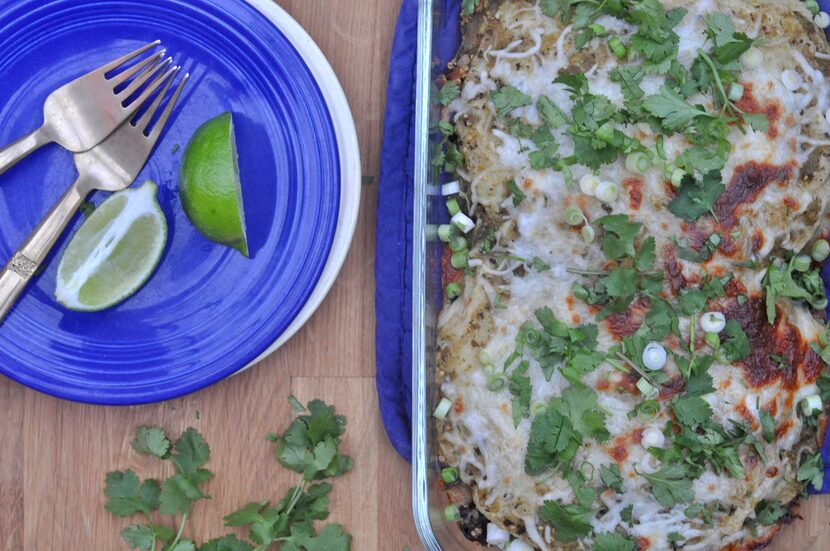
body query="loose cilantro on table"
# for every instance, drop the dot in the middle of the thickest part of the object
(310, 446)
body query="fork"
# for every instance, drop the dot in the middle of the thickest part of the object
(79, 115)
(111, 166)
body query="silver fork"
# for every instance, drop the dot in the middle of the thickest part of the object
(79, 115)
(111, 166)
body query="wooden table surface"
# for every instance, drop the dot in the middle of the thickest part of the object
(54, 454)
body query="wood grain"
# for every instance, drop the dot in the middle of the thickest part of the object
(54, 454)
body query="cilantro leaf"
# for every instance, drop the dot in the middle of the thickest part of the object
(226, 543)
(178, 493)
(691, 411)
(516, 192)
(619, 235)
(611, 477)
(127, 495)
(729, 45)
(811, 471)
(621, 282)
(769, 512)
(571, 522)
(612, 541)
(191, 453)
(670, 484)
(550, 113)
(331, 538)
(552, 442)
(696, 197)
(138, 536)
(734, 343)
(508, 98)
(448, 93)
(580, 405)
(521, 389)
(151, 440)
(539, 265)
(674, 112)
(183, 545)
(768, 424)
(646, 255)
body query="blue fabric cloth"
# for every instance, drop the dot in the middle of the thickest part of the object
(393, 259)
(393, 266)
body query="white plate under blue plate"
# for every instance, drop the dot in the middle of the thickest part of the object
(207, 312)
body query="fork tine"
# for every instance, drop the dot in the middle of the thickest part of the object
(142, 79)
(159, 127)
(146, 64)
(124, 59)
(150, 112)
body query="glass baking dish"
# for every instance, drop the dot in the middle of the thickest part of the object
(438, 41)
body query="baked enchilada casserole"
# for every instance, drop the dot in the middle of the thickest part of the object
(632, 352)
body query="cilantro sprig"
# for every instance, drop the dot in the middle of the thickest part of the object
(310, 446)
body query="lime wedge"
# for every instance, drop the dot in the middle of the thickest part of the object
(114, 252)
(209, 184)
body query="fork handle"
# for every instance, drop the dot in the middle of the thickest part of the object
(22, 148)
(31, 255)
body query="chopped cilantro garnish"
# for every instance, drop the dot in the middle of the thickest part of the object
(811, 471)
(516, 192)
(612, 541)
(448, 93)
(671, 484)
(612, 477)
(521, 390)
(697, 197)
(508, 98)
(539, 265)
(570, 521)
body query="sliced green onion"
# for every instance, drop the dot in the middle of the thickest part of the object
(638, 163)
(453, 290)
(497, 382)
(597, 29)
(458, 243)
(792, 80)
(607, 192)
(538, 408)
(813, 6)
(587, 470)
(801, 263)
(588, 234)
(713, 340)
(451, 188)
(712, 322)
(715, 240)
(661, 151)
(654, 356)
(736, 91)
(811, 405)
(452, 206)
(452, 513)
(445, 232)
(677, 177)
(574, 216)
(532, 336)
(647, 389)
(484, 358)
(449, 474)
(459, 260)
(463, 222)
(443, 409)
(822, 19)
(821, 250)
(588, 184)
(753, 57)
(617, 47)
(606, 132)
(580, 292)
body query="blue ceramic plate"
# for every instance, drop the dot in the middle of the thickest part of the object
(207, 312)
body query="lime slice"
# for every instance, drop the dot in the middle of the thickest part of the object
(114, 252)
(209, 184)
